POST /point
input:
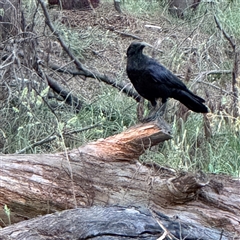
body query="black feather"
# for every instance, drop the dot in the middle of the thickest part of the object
(152, 80)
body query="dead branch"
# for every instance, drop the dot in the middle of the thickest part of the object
(206, 73)
(235, 70)
(38, 143)
(125, 88)
(67, 96)
(54, 137)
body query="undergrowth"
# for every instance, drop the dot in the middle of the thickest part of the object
(189, 150)
(31, 120)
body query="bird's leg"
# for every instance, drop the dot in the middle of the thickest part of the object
(157, 111)
(161, 110)
(152, 112)
(140, 109)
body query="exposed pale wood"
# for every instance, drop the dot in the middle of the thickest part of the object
(131, 144)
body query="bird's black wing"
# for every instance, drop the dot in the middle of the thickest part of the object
(166, 82)
(159, 74)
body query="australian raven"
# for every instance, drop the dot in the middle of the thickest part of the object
(153, 81)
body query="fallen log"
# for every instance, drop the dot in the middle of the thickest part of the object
(107, 172)
(104, 223)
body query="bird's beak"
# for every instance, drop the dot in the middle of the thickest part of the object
(146, 44)
(149, 45)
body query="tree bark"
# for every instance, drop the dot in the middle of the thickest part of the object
(106, 172)
(108, 223)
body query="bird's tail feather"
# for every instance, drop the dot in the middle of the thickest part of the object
(190, 100)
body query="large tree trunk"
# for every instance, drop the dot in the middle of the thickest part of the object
(106, 172)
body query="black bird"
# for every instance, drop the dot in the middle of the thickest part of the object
(153, 81)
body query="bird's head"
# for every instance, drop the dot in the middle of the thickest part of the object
(136, 47)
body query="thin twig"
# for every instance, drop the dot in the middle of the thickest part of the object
(81, 130)
(62, 43)
(217, 72)
(221, 234)
(166, 233)
(128, 35)
(124, 34)
(216, 87)
(41, 142)
(153, 26)
(53, 137)
(200, 76)
(206, 73)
